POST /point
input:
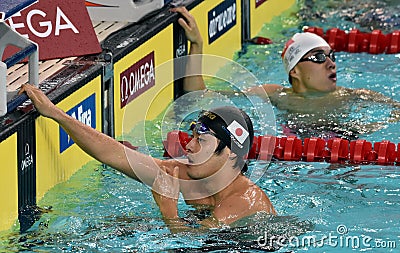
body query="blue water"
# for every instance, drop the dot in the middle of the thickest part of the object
(322, 207)
(380, 73)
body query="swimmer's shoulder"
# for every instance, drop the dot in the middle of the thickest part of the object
(345, 90)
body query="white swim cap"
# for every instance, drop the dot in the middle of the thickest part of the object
(299, 45)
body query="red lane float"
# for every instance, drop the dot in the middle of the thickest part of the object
(338, 150)
(291, 148)
(337, 39)
(393, 42)
(175, 144)
(355, 41)
(261, 41)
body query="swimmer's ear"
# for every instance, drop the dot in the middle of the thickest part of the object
(293, 73)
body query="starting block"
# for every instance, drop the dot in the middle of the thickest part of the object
(27, 49)
(122, 10)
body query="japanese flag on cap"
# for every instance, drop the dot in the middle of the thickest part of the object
(232, 126)
(299, 45)
(238, 131)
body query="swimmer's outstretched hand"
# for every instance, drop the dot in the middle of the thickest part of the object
(165, 191)
(189, 24)
(41, 102)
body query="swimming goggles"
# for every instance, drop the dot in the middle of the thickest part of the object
(200, 128)
(320, 57)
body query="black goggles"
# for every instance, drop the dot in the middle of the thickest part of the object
(320, 57)
(200, 128)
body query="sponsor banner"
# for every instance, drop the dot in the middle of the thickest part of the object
(26, 173)
(180, 41)
(221, 19)
(153, 56)
(9, 7)
(27, 159)
(60, 28)
(85, 112)
(137, 79)
(260, 2)
(180, 49)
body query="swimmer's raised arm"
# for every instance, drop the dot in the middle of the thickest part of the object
(96, 144)
(193, 81)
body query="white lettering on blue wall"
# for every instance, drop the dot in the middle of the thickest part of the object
(221, 19)
(85, 112)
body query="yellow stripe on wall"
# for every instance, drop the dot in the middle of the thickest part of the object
(265, 12)
(138, 110)
(53, 167)
(8, 182)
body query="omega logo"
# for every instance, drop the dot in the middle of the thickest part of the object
(28, 158)
(180, 51)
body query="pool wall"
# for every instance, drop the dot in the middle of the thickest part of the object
(37, 154)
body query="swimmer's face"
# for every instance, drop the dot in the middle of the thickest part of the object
(315, 76)
(203, 162)
(201, 148)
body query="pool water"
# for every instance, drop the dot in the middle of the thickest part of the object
(355, 117)
(322, 207)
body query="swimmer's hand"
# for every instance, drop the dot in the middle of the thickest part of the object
(166, 192)
(189, 24)
(41, 102)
